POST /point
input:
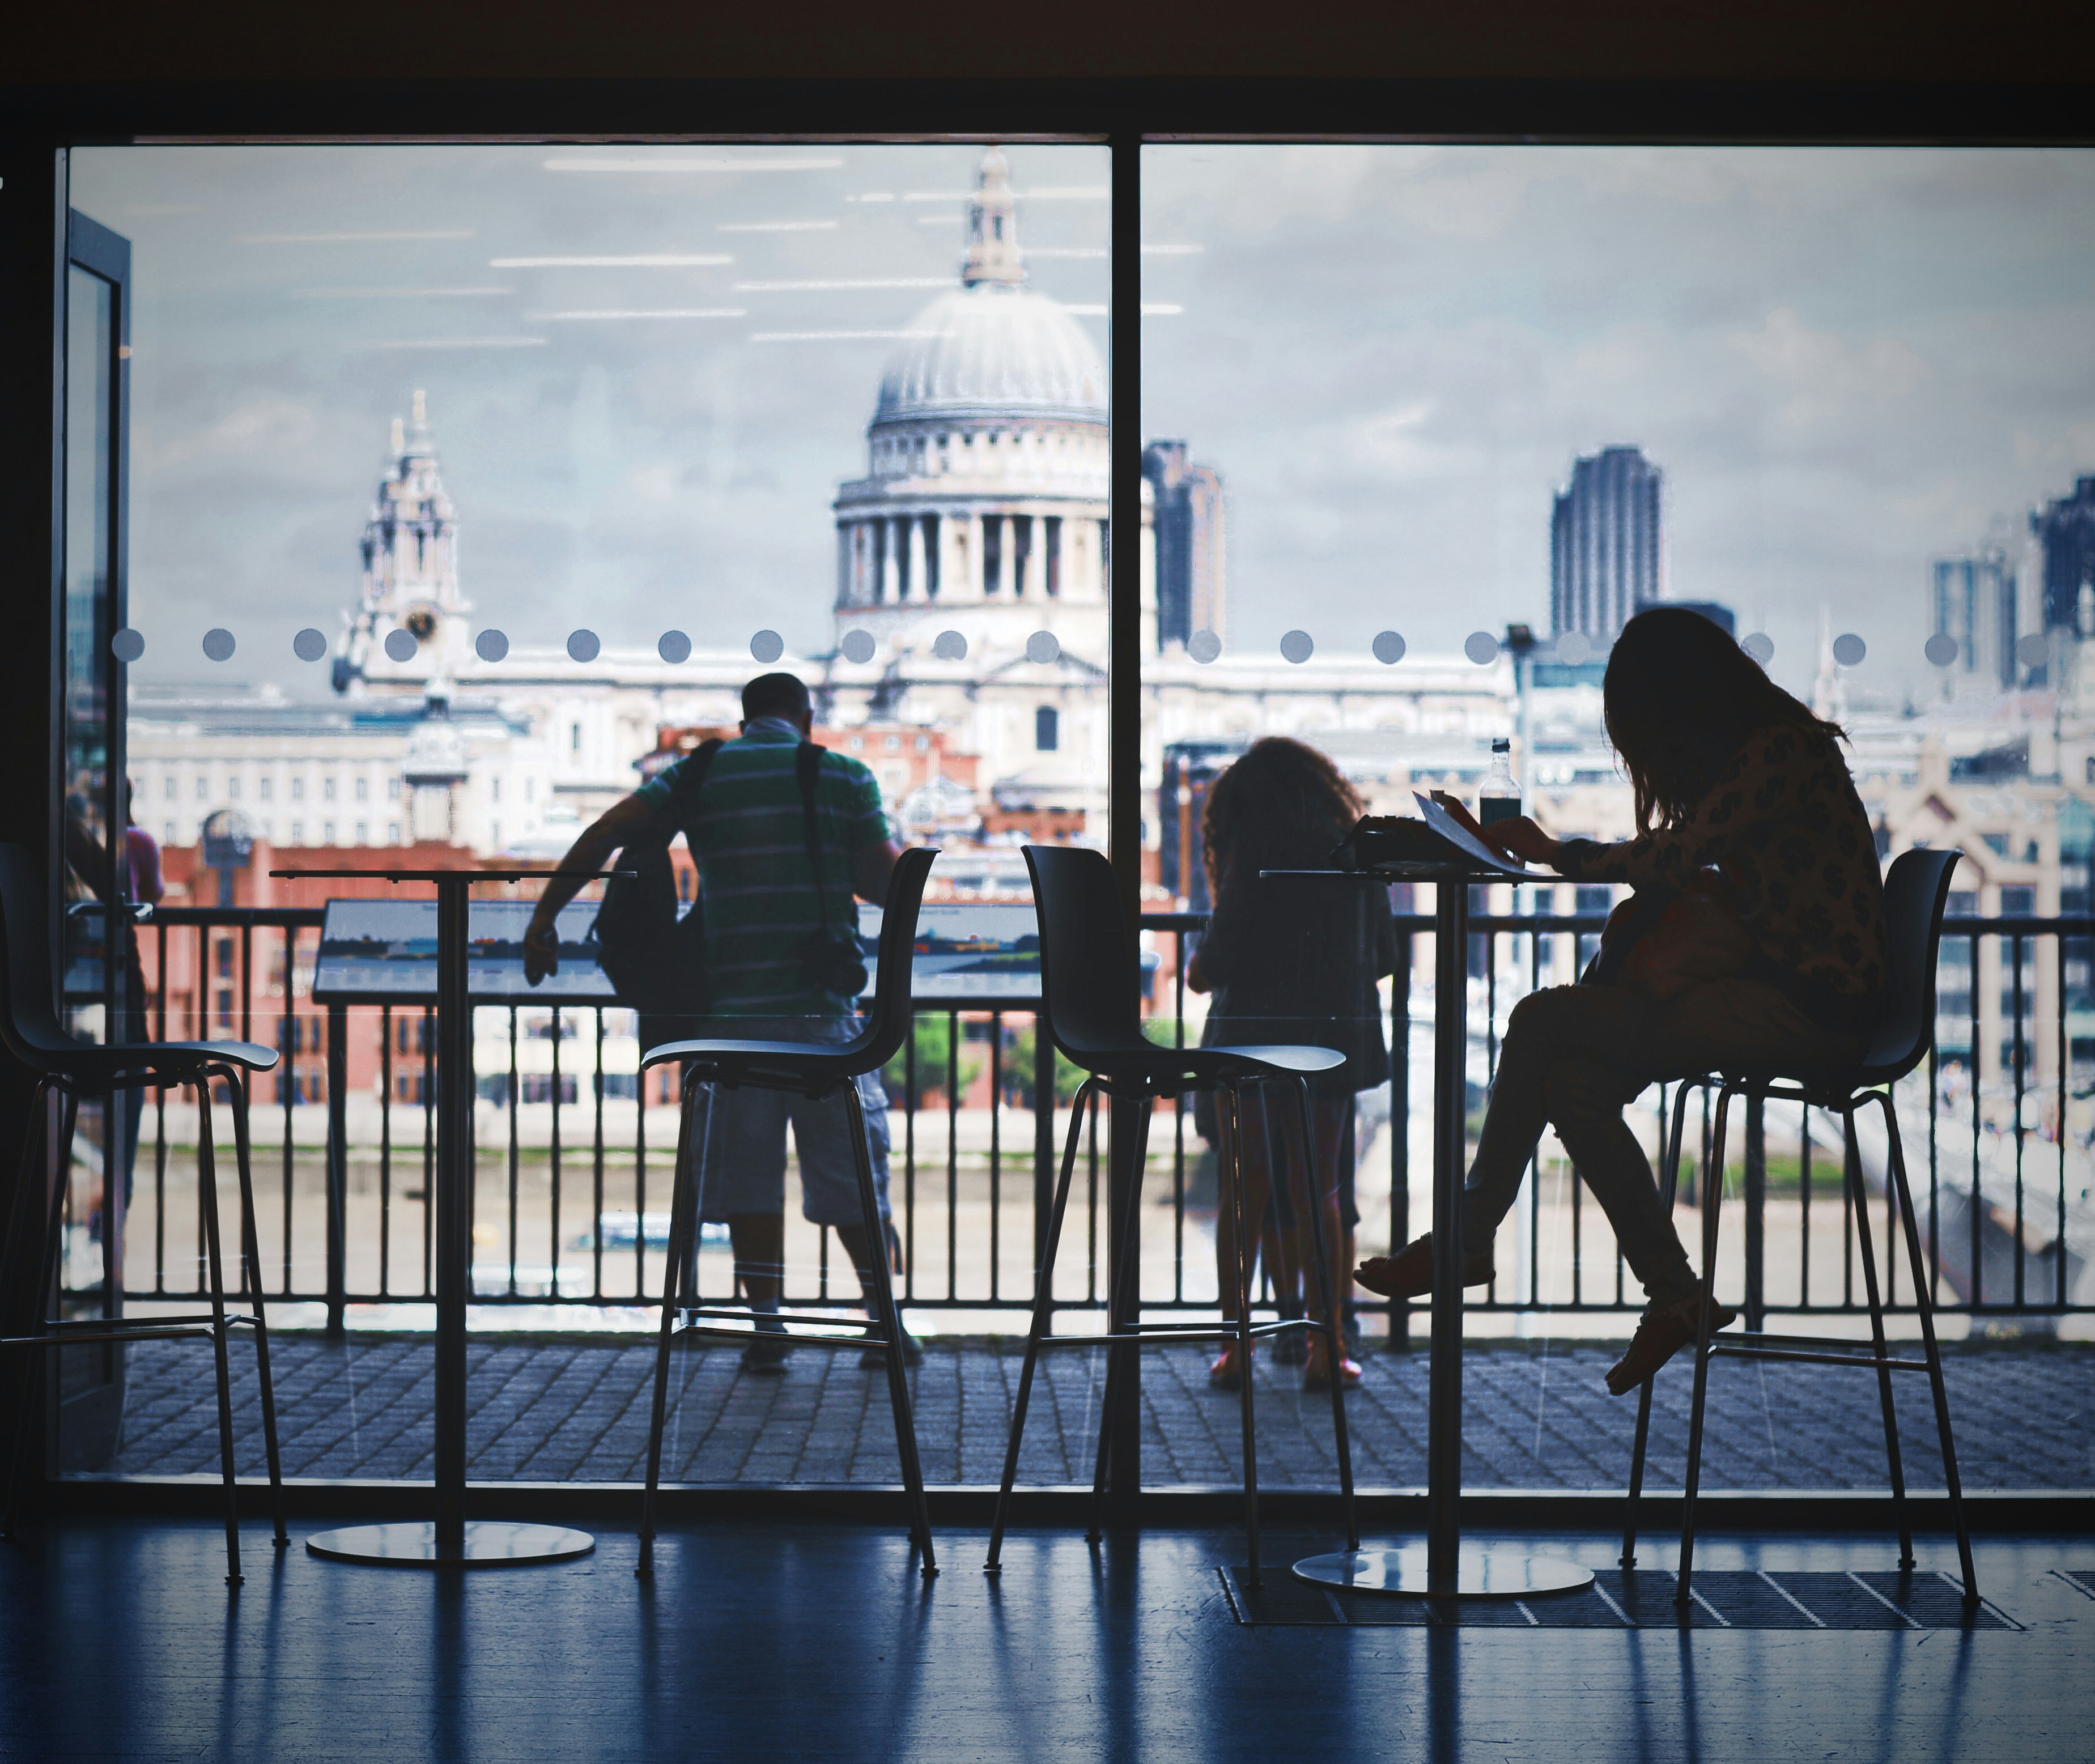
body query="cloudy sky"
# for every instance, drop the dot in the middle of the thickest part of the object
(1846, 362)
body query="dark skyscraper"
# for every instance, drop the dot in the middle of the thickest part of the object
(2067, 529)
(1604, 544)
(1189, 542)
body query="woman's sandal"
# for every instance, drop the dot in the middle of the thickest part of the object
(1408, 1273)
(1223, 1375)
(1315, 1378)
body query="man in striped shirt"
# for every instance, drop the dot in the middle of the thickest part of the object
(746, 823)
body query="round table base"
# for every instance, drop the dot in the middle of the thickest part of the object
(489, 1543)
(1480, 1574)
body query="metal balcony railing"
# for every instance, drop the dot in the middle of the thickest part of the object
(571, 1200)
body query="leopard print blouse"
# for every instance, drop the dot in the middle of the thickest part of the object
(1784, 825)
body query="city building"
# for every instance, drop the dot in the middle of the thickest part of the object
(1607, 548)
(2066, 528)
(1192, 583)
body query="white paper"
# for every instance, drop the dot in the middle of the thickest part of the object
(1463, 840)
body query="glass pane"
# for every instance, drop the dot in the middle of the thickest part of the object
(1480, 405)
(91, 366)
(474, 484)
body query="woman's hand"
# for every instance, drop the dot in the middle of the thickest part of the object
(542, 951)
(1522, 838)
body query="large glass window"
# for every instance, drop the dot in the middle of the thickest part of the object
(472, 485)
(1425, 425)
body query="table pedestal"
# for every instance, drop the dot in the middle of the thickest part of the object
(484, 1544)
(1443, 1567)
(449, 1541)
(1504, 1573)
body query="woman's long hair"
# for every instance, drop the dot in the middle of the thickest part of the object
(1282, 805)
(1681, 698)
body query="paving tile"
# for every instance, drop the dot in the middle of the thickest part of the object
(1536, 1417)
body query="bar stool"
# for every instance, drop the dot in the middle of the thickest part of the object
(1090, 971)
(1916, 891)
(814, 1071)
(30, 1027)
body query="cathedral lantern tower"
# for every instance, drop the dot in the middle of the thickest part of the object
(411, 583)
(983, 507)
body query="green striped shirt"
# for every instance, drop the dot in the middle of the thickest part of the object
(750, 844)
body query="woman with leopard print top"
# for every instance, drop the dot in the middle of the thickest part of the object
(1731, 773)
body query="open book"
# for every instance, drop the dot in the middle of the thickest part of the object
(1472, 849)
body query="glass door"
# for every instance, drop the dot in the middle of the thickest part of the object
(101, 996)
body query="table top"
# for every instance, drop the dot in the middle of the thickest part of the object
(436, 875)
(1416, 872)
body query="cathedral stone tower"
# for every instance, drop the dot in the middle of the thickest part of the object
(983, 507)
(411, 582)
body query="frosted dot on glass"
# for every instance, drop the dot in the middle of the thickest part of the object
(858, 645)
(1941, 649)
(947, 646)
(1041, 646)
(309, 645)
(767, 646)
(1848, 649)
(2033, 650)
(1298, 646)
(218, 643)
(1761, 646)
(1574, 648)
(673, 647)
(1481, 647)
(401, 645)
(1388, 647)
(582, 646)
(491, 645)
(1204, 646)
(127, 645)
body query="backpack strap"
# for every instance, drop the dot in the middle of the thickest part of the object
(807, 769)
(690, 779)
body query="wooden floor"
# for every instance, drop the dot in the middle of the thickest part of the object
(118, 1641)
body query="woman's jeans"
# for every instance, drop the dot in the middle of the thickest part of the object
(1573, 1056)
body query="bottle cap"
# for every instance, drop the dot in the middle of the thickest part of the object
(1501, 745)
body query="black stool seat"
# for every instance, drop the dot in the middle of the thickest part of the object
(1089, 974)
(1916, 893)
(73, 1068)
(815, 1069)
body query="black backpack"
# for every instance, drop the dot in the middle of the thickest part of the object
(654, 960)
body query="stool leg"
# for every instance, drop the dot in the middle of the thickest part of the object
(1244, 1335)
(1924, 1303)
(208, 1190)
(251, 1253)
(1126, 1302)
(1713, 1209)
(1333, 1335)
(1669, 1185)
(33, 1143)
(683, 1202)
(1043, 1304)
(890, 1328)
(1859, 1198)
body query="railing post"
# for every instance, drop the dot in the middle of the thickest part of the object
(1756, 1198)
(1043, 1141)
(337, 1169)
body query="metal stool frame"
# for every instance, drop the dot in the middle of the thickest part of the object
(813, 1070)
(1087, 961)
(72, 1069)
(1916, 893)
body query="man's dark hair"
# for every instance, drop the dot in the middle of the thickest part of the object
(774, 694)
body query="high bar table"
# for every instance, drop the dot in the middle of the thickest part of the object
(1444, 1567)
(450, 1540)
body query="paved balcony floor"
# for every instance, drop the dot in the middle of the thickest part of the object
(1538, 1416)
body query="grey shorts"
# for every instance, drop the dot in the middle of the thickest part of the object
(745, 1161)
